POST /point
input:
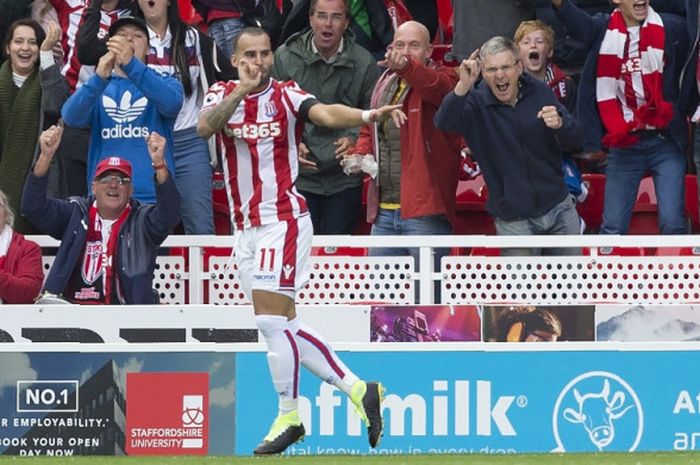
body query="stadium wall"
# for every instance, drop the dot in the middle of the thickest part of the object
(191, 378)
(441, 398)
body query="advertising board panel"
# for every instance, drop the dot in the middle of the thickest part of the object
(492, 402)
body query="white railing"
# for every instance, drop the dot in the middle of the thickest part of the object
(357, 279)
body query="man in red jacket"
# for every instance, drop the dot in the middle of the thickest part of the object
(413, 192)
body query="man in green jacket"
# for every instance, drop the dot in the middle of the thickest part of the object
(326, 62)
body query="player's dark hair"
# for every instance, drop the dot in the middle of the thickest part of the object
(252, 31)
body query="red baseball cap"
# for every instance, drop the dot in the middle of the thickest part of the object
(113, 164)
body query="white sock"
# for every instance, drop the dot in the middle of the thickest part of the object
(282, 358)
(320, 359)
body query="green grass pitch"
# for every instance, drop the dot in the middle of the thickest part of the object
(666, 458)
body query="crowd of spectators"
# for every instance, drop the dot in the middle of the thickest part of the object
(532, 93)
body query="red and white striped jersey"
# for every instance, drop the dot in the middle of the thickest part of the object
(70, 17)
(260, 149)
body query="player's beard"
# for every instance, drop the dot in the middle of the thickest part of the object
(264, 80)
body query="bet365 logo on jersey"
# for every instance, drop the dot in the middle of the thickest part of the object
(254, 131)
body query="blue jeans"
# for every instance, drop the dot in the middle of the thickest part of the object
(336, 213)
(626, 166)
(193, 178)
(696, 154)
(389, 222)
(223, 32)
(560, 219)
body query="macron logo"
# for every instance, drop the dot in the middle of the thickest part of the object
(127, 111)
(287, 270)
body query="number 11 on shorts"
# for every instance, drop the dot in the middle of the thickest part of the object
(267, 254)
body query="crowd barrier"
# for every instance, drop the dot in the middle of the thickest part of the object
(644, 269)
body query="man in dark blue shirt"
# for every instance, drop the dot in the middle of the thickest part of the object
(517, 131)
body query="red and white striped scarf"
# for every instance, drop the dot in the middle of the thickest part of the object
(93, 282)
(615, 64)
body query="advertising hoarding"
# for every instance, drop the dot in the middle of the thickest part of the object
(492, 402)
(72, 403)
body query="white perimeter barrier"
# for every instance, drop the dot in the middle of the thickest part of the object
(207, 274)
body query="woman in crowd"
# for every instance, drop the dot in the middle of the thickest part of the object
(197, 62)
(21, 273)
(32, 91)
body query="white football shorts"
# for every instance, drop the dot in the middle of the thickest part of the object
(274, 257)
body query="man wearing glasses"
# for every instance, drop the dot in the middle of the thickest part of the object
(327, 62)
(109, 241)
(517, 132)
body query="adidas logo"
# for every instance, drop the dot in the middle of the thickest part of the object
(127, 111)
(125, 132)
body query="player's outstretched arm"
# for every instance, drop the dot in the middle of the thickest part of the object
(339, 116)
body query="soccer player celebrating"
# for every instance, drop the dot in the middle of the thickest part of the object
(261, 121)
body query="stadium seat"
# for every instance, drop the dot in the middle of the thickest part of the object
(471, 215)
(459, 251)
(362, 227)
(441, 55)
(445, 23)
(473, 191)
(222, 215)
(485, 252)
(617, 251)
(186, 10)
(591, 210)
(645, 211)
(340, 251)
(677, 251)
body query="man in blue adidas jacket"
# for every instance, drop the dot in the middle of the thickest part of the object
(124, 102)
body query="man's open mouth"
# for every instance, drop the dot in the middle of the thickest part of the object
(640, 7)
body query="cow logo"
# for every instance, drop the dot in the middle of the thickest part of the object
(597, 411)
(127, 111)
